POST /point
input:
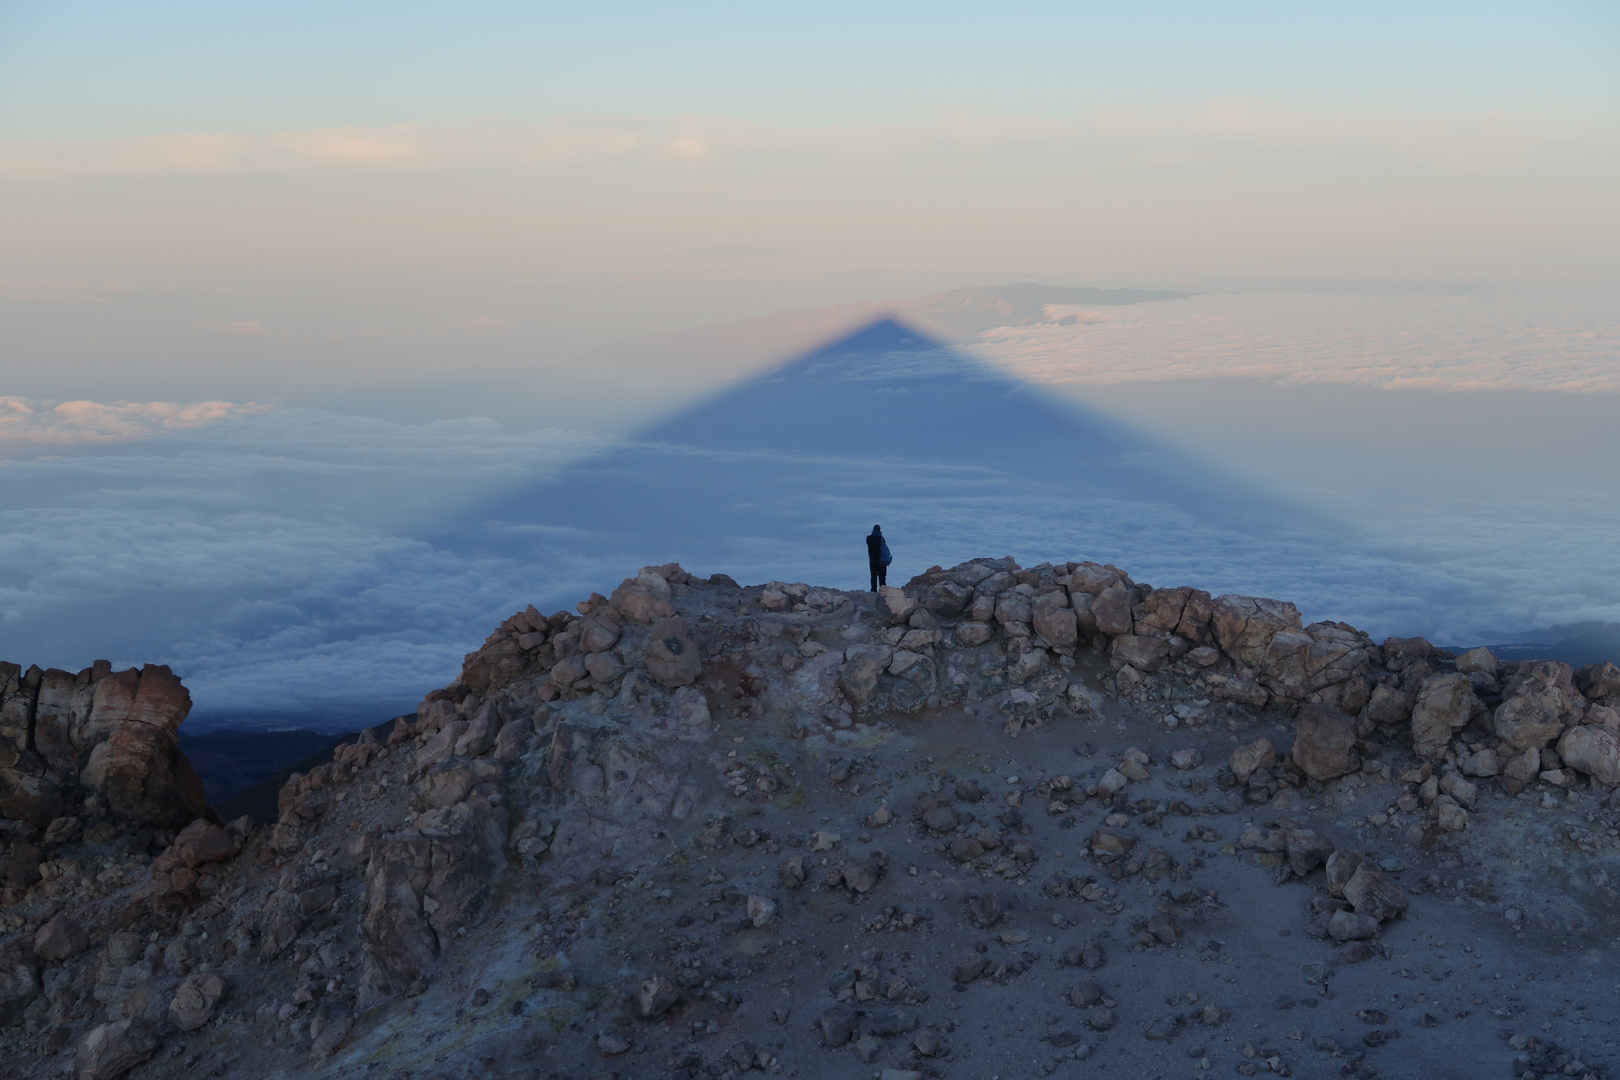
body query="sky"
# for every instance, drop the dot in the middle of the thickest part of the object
(295, 202)
(303, 307)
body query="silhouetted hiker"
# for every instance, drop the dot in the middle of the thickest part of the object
(878, 557)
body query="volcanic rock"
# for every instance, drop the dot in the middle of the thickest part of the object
(1324, 743)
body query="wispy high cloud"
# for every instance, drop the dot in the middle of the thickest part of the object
(400, 148)
(70, 422)
(482, 322)
(1452, 140)
(246, 328)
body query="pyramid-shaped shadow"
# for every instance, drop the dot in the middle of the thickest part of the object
(885, 424)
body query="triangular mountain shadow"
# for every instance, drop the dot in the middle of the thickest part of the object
(884, 424)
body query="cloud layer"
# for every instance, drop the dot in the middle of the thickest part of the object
(327, 568)
(1494, 339)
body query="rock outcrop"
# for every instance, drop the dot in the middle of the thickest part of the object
(720, 829)
(98, 748)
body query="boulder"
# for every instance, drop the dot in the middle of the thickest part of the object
(1390, 706)
(895, 604)
(19, 980)
(643, 598)
(34, 799)
(421, 886)
(1307, 850)
(971, 634)
(1324, 743)
(22, 869)
(1141, 653)
(858, 677)
(1444, 705)
(1246, 760)
(947, 599)
(604, 668)
(1055, 621)
(601, 633)
(1325, 662)
(1111, 610)
(1538, 703)
(761, 910)
(441, 747)
(1244, 626)
(1481, 763)
(329, 1027)
(1013, 607)
(61, 938)
(568, 671)
(195, 1000)
(837, 1024)
(1374, 893)
(482, 729)
(1159, 612)
(655, 997)
(1480, 660)
(1599, 682)
(200, 843)
(1521, 770)
(1351, 926)
(130, 745)
(1341, 867)
(113, 1049)
(1594, 750)
(513, 741)
(672, 656)
(1459, 789)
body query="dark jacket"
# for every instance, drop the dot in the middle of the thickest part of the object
(874, 549)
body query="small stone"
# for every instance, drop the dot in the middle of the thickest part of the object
(791, 872)
(940, 819)
(611, 1045)
(837, 1024)
(985, 910)
(1186, 760)
(1164, 1028)
(657, 994)
(195, 1000)
(1351, 926)
(1101, 1019)
(969, 969)
(868, 1047)
(761, 910)
(1357, 952)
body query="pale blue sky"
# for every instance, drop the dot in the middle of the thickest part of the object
(88, 70)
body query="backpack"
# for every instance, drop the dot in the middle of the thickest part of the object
(887, 558)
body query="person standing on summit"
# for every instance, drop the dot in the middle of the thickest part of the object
(878, 557)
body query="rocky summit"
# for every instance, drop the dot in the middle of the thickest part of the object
(1000, 822)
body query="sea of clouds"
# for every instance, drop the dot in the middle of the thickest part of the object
(322, 568)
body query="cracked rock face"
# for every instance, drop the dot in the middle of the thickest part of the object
(705, 830)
